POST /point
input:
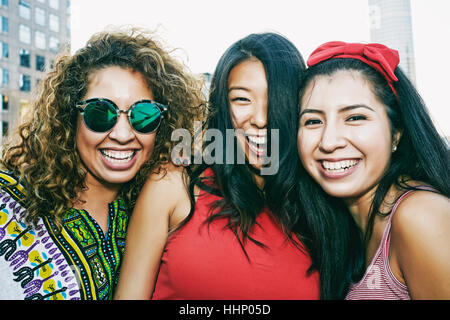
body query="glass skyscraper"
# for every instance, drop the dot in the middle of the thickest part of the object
(390, 24)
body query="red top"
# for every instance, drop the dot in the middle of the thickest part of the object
(207, 263)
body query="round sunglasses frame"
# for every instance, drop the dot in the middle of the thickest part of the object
(80, 107)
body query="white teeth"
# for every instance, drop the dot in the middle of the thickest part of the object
(257, 139)
(258, 144)
(339, 166)
(118, 156)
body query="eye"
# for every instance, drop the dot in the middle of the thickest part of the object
(357, 118)
(312, 122)
(240, 99)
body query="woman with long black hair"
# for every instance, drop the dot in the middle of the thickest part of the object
(366, 139)
(232, 228)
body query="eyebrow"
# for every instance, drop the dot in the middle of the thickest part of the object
(238, 88)
(347, 108)
(356, 106)
(311, 111)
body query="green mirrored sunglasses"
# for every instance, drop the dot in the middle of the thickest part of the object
(101, 114)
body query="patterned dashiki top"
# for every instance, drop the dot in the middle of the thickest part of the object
(80, 262)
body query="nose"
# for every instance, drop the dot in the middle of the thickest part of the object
(332, 138)
(259, 115)
(122, 132)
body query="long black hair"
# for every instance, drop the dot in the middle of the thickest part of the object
(293, 207)
(241, 199)
(421, 155)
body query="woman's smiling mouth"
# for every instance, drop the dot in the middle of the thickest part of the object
(338, 168)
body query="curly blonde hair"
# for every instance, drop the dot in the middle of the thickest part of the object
(43, 153)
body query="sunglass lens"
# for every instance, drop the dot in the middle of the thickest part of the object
(145, 117)
(100, 116)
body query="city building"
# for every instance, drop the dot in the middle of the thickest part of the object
(31, 34)
(207, 83)
(390, 24)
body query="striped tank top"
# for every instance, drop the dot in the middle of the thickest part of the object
(379, 282)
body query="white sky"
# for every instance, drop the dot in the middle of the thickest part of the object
(201, 30)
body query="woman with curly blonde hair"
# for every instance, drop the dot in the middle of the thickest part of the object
(102, 121)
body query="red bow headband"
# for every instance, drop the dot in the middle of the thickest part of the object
(378, 56)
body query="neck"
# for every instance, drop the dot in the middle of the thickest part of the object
(360, 207)
(96, 194)
(260, 181)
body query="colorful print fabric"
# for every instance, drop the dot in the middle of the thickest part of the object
(42, 263)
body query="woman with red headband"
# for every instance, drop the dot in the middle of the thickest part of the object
(366, 139)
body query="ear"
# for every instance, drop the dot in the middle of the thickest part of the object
(396, 138)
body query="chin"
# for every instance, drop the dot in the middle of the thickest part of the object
(340, 191)
(256, 164)
(120, 178)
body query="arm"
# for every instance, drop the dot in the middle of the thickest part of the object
(420, 237)
(147, 233)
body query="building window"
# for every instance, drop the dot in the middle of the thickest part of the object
(4, 49)
(53, 22)
(39, 16)
(53, 44)
(5, 128)
(4, 76)
(5, 25)
(54, 4)
(68, 27)
(4, 3)
(24, 9)
(4, 102)
(40, 63)
(24, 34)
(40, 40)
(25, 83)
(24, 58)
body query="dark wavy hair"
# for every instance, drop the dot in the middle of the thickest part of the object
(43, 153)
(421, 155)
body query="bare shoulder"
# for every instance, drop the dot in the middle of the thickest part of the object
(422, 211)
(420, 244)
(167, 178)
(165, 193)
(167, 173)
(420, 227)
(163, 188)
